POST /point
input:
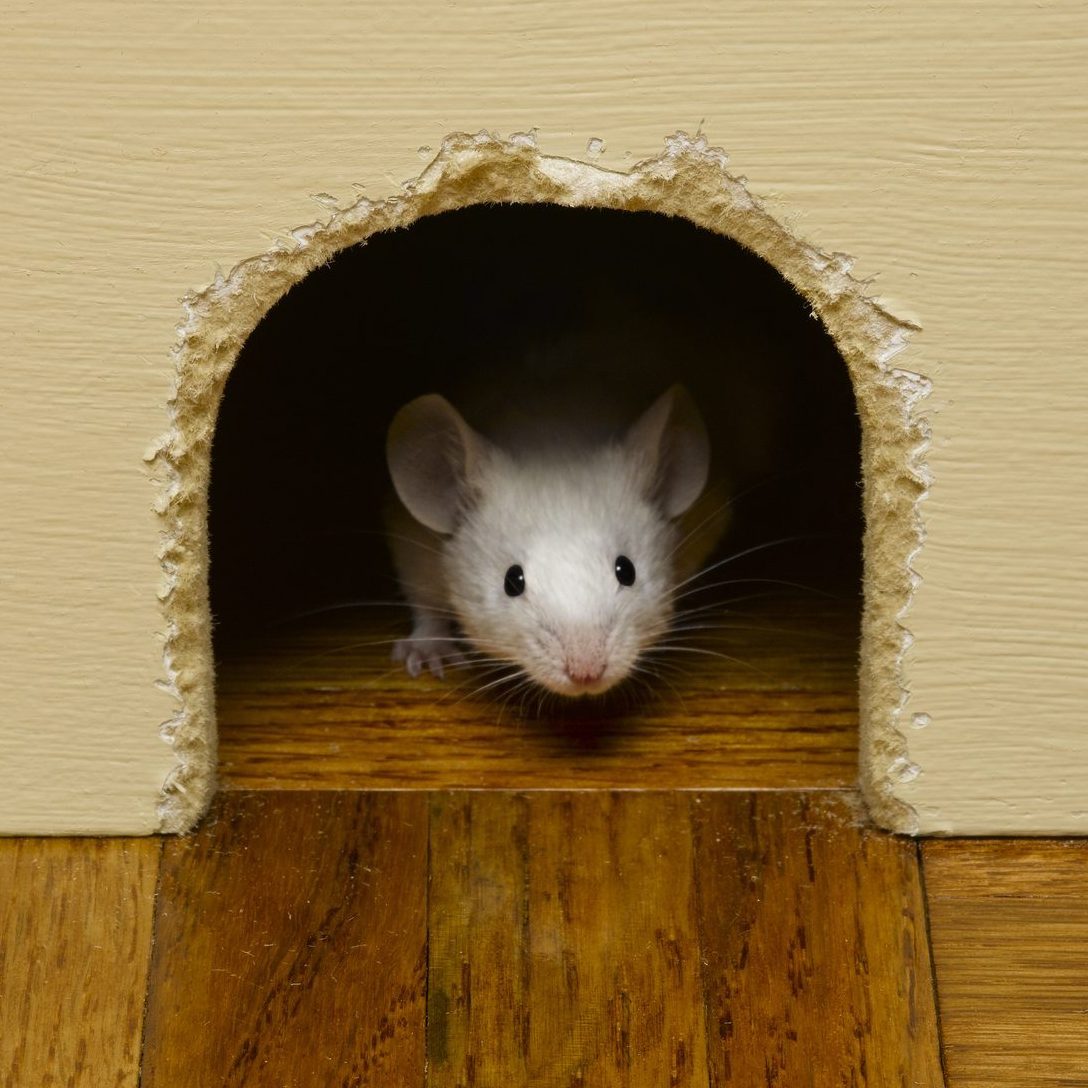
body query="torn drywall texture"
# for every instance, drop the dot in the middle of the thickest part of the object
(688, 180)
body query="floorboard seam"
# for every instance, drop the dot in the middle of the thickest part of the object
(150, 963)
(429, 803)
(921, 856)
(700, 926)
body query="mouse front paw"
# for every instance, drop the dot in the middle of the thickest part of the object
(427, 649)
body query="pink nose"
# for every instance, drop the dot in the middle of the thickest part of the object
(585, 672)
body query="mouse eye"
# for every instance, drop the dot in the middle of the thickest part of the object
(514, 582)
(625, 571)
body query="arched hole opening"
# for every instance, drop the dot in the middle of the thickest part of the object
(761, 686)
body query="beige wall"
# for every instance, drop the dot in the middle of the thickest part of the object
(941, 145)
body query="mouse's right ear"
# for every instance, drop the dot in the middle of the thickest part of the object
(433, 457)
(669, 442)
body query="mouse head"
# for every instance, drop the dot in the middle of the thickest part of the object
(562, 562)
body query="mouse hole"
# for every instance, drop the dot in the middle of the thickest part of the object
(595, 303)
(495, 283)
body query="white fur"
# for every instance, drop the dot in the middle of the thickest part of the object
(564, 515)
(564, 523)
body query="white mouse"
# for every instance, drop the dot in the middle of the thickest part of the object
(560, 557)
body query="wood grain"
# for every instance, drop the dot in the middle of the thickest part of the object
(814, 946)
(575, 938)
(321, 705)
(75, 942)
(291, 945)
(563, 941)
(917, 139)
(1009, 925)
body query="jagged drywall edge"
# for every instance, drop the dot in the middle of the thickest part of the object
(689, 179)
(913, 389)
(896, 439)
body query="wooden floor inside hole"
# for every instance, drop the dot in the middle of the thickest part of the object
(384, 894)
(760, 698)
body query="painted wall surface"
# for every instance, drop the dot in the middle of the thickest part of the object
(941, 145)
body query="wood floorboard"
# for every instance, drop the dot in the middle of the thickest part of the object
(319, 706)
(717, 914)
(292, 929)
(592, 939)
(813, 933)
(75, 941)
(564, 947)
(290, 945)
(1009, 927)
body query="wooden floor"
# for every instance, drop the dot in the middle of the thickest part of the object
(696, 900)
(767, 697)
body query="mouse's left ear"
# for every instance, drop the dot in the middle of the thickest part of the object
(670, 444)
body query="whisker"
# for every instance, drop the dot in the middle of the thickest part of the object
(476, 663)
(343, 605)
(407, 540)
(517, 674)
(507, 697)
(709, 653)
(680, 628)
(641, 674)
(708, 611)
(749, 581)
(721, 605)
(761, 627)
(709, 518)
(735, 497)
(342, 532)
(741, 554)
(520, 691)
(525, 691)
(477, 675)
(367, 644)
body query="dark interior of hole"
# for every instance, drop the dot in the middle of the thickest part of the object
(298, 473)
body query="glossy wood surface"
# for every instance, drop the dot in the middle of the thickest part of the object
(75, 940)
(543, 938)
(291, 945)
(1009, 923)
(813, 934)
(320, 705)
(461, 938)
(564, 941)
(658, 938)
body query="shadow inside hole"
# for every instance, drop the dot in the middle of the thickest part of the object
(298, 469)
